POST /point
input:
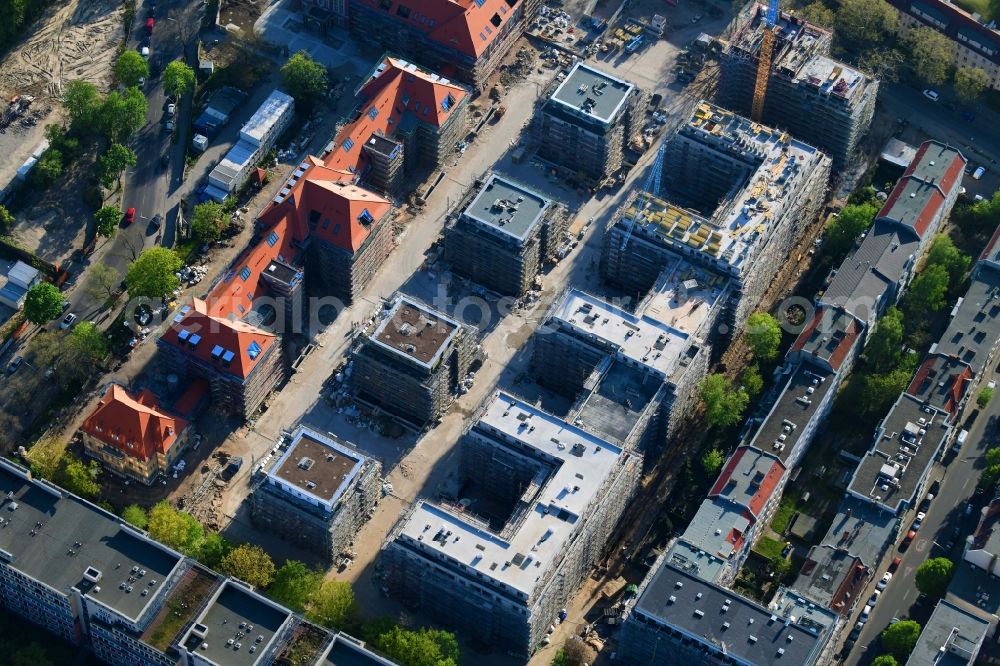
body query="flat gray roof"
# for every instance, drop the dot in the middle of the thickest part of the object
(862, 529)
(614, 407)
(347, 651)
(55, 538)
(508, 207)
(792, 411)
(975, 322)
(714, 616)
(831, 577)
(906, 443)
(590, 91)
(236, 614)
(951, 637)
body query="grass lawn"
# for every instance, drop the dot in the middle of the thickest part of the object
(784, 514)
(985, 8)
(769, 548)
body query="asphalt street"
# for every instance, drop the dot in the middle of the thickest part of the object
(959, 475)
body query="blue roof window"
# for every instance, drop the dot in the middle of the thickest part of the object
(253, 351)
(272, 238)
(348, 144)
(373, 113)
(447, 103)
(245, 273)
(365, 217)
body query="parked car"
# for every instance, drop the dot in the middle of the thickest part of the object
(144, 52)
(866, 613)
(882, 584)
(856, 631)
(932, 95)
(935, 487)
(872, 600)
(169, 126)
(896, 561)
(65, 306)
(907, 540)
(68, 321)
(129, 216)
(149, 25)
(919, 520)
(14, 364)
(155, 222)
(170, 110)
(979, 173)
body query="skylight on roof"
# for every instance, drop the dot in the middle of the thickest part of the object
(272, 238)
(348, 144)
(365, 217)
(447, 102)
(253, 351)
(217, 351)
(228, 357)
(373, 113)
(245, 273)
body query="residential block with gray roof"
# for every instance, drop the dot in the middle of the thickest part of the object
(951, 637)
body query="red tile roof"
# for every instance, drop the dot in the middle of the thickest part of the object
(833, 351)
(468, 26)
(943, 178)
(133, 424)
(758, 490)
(395, 87)
(192, 397)
(947, 372)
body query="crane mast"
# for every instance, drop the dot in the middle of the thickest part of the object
(764, 62)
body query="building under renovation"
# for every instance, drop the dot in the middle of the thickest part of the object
(738, 197)
(318, 493)
(586, 123)
(414, 361)
(817, 99)
(504, 236)
(537, 501)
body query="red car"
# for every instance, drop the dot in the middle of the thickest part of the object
(149, 26)
(895, 564)
(129, 216)
(908, 540)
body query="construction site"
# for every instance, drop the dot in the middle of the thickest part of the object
(778, 71)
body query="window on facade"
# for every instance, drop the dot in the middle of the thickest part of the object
(365, 217)
(336, 229)
(403, 11)
(482, 37)
(488, 30)
(253, 351)
(447, 103)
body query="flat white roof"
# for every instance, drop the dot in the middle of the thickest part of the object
(591, 92)
(269, 112)
(581, 463)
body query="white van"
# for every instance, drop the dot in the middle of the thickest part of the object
(978, 173)
(145, 52)
(960, 440)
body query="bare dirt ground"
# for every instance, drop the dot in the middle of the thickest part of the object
(75, 41)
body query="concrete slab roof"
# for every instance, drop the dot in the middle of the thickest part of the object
(974, 329)
(316, 466)
(587, 90)
(348, 651)
(65, 542)
(832, 577)
(779, 433)
(415, 331)
(507, 208)
(614, 407)
(861, 529)
(951, 637)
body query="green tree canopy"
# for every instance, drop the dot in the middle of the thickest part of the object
(900, 637)
(880, 391)
(751, 380)
(77, 476)
(574, 652)
(882, 62)
(992, 472)
(930, 54)
(152, 274)
(135, 515)
(175, 528)
(102, 281)
(130, 67)
(425, 647)
(865, 22)
(106, 220)
(841, 231)
(885, 660)
(818, 13)
(712, 461)
(113, 163)
(294, 584)
(933, 576)
(87, 343)
(249, 563)
(944, 253)
(884, 347)
(763, 335)
(44, 455)
(984, 397)
(48, 168)
(178, 78)
(970, 83)
(213, 549)
(927, 293)
(724, 404)
(82, 102)
(6, 219)
(332, 605)
(123, 114)
(304, 78)
(42, 303)
(208, 221)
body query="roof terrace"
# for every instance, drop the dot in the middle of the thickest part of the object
(317, 467)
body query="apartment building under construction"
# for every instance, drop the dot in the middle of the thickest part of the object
(414, 361)
(504, 235)
(586, 123)
(816, 98)
(738, 196)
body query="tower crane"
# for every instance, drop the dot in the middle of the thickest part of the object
(764, 61)
(651, 186)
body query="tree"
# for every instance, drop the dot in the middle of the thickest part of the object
(944, 253)
(992, 472)
(880, 391)
(44, 455)
(130, 67)
(178, 78)
(933, 576)
(763, 335)
(6, 220)
(712, 461)
(113, 163)
(152, 274)
(984, 397)
(250, 564)
(425, 647)
(930, 54)
(82, 102)
(751, 381)
(843, 230)
(175, 528)
(574, 652)
(927, 293)
(970, 82)
(332, 605)
(865, 22)
(724, 404)
(123, 114)
(102, 281)
(135, 515)
(294, 584)
(48, 168)
(78, 477)
(818, 13)
(883, 349)
(780, 565)
(304, 78)
(42, 303)
(208, 222)
(213, 549)
(106, 221)
(885, 660)
(87, 343)
(882, 62)
(900, 637)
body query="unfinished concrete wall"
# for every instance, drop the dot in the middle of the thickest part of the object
(593, 149)
(560, 363)
(503, 266)
(700, 176)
